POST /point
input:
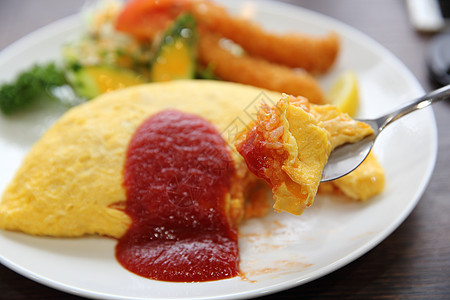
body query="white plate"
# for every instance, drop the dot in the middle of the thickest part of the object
(277, 252)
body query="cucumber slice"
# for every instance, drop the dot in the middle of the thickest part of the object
(176, 55)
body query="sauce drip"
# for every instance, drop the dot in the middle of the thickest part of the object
(177, 174)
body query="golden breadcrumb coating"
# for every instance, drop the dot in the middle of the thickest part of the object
(256, 71)
(311, 53)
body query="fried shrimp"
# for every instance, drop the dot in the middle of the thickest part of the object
(256, 71)
(313, 54)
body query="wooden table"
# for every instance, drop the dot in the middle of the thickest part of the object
(414, 261)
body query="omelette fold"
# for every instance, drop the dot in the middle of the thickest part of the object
(71, 181)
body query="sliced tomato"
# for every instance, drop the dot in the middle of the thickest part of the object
(145, 18)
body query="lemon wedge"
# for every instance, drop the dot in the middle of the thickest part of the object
(344, 93)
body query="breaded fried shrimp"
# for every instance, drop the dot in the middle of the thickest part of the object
(313, 54)
(256, 71)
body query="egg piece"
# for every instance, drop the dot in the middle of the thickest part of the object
(289, 144)
(365, 182)
(341, 127)
(287, 148)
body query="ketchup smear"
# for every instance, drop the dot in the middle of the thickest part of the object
(177, 174)
(262, 161)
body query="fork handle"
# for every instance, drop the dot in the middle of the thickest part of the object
(419, 103)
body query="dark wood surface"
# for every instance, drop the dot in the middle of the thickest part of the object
(414, 261)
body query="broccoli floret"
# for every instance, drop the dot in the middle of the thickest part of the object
(29, 86)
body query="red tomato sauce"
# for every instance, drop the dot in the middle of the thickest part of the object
(264, 162)
(176, 175)
(255, 154)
